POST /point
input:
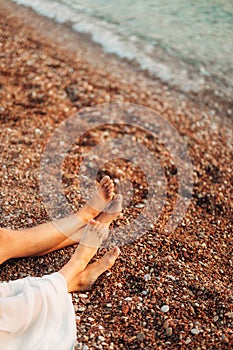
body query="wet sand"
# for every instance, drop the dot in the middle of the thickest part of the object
(49, 73)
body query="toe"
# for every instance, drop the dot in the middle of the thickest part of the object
(118, 198)
(91, 225)
(110, 257)
(97, 226)
(105, 180)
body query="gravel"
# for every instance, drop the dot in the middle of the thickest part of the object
(47, 73)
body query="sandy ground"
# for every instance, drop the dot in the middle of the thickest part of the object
(48, 74)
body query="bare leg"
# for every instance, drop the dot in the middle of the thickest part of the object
(86, 278)
(106, 218)
(91, 240)
(38, 239)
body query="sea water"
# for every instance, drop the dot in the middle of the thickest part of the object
(181, 42)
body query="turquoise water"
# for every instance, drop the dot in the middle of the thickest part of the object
(181, 42)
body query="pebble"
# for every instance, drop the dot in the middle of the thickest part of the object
(140, 336)
(84, 296)
(195, 331)
(169, 331)
(128, 299)
(140, 205)
(147, 277)
(109, 305)
(38, 131)
(101, 338)
(165, 308)
(81, 309)
(85, 347)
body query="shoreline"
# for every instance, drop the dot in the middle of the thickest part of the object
(217, 102)
(47, 74)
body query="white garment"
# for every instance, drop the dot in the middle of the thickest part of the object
(36, 314)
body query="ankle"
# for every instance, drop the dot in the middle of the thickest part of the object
(86, 214)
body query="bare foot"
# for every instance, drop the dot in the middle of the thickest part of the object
(90, 242)
(110, 213)
(85, 279)
(99, 200)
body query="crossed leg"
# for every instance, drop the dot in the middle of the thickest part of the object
(111, 213)
(77, 274)
(40, 239)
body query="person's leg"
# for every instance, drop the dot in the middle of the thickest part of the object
(86, 278)
(90, 241)
(33, 241)
(106, 218)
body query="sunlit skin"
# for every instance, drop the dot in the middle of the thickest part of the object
(46, 238)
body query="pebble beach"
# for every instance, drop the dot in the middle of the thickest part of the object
(167, 290)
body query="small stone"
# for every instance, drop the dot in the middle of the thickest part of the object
(84, 296)
(165, 308)
(125, 309)
(215, 318)
(187, 340)
(147, 277)
(101, 338)
(38, 131)
(140, 336)
(144, 292)
(128, 299)
(85, 347)
(109, 305)
(169, 331)
(229, 314)
(81, 309)
(195, 331)
(140, 205)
